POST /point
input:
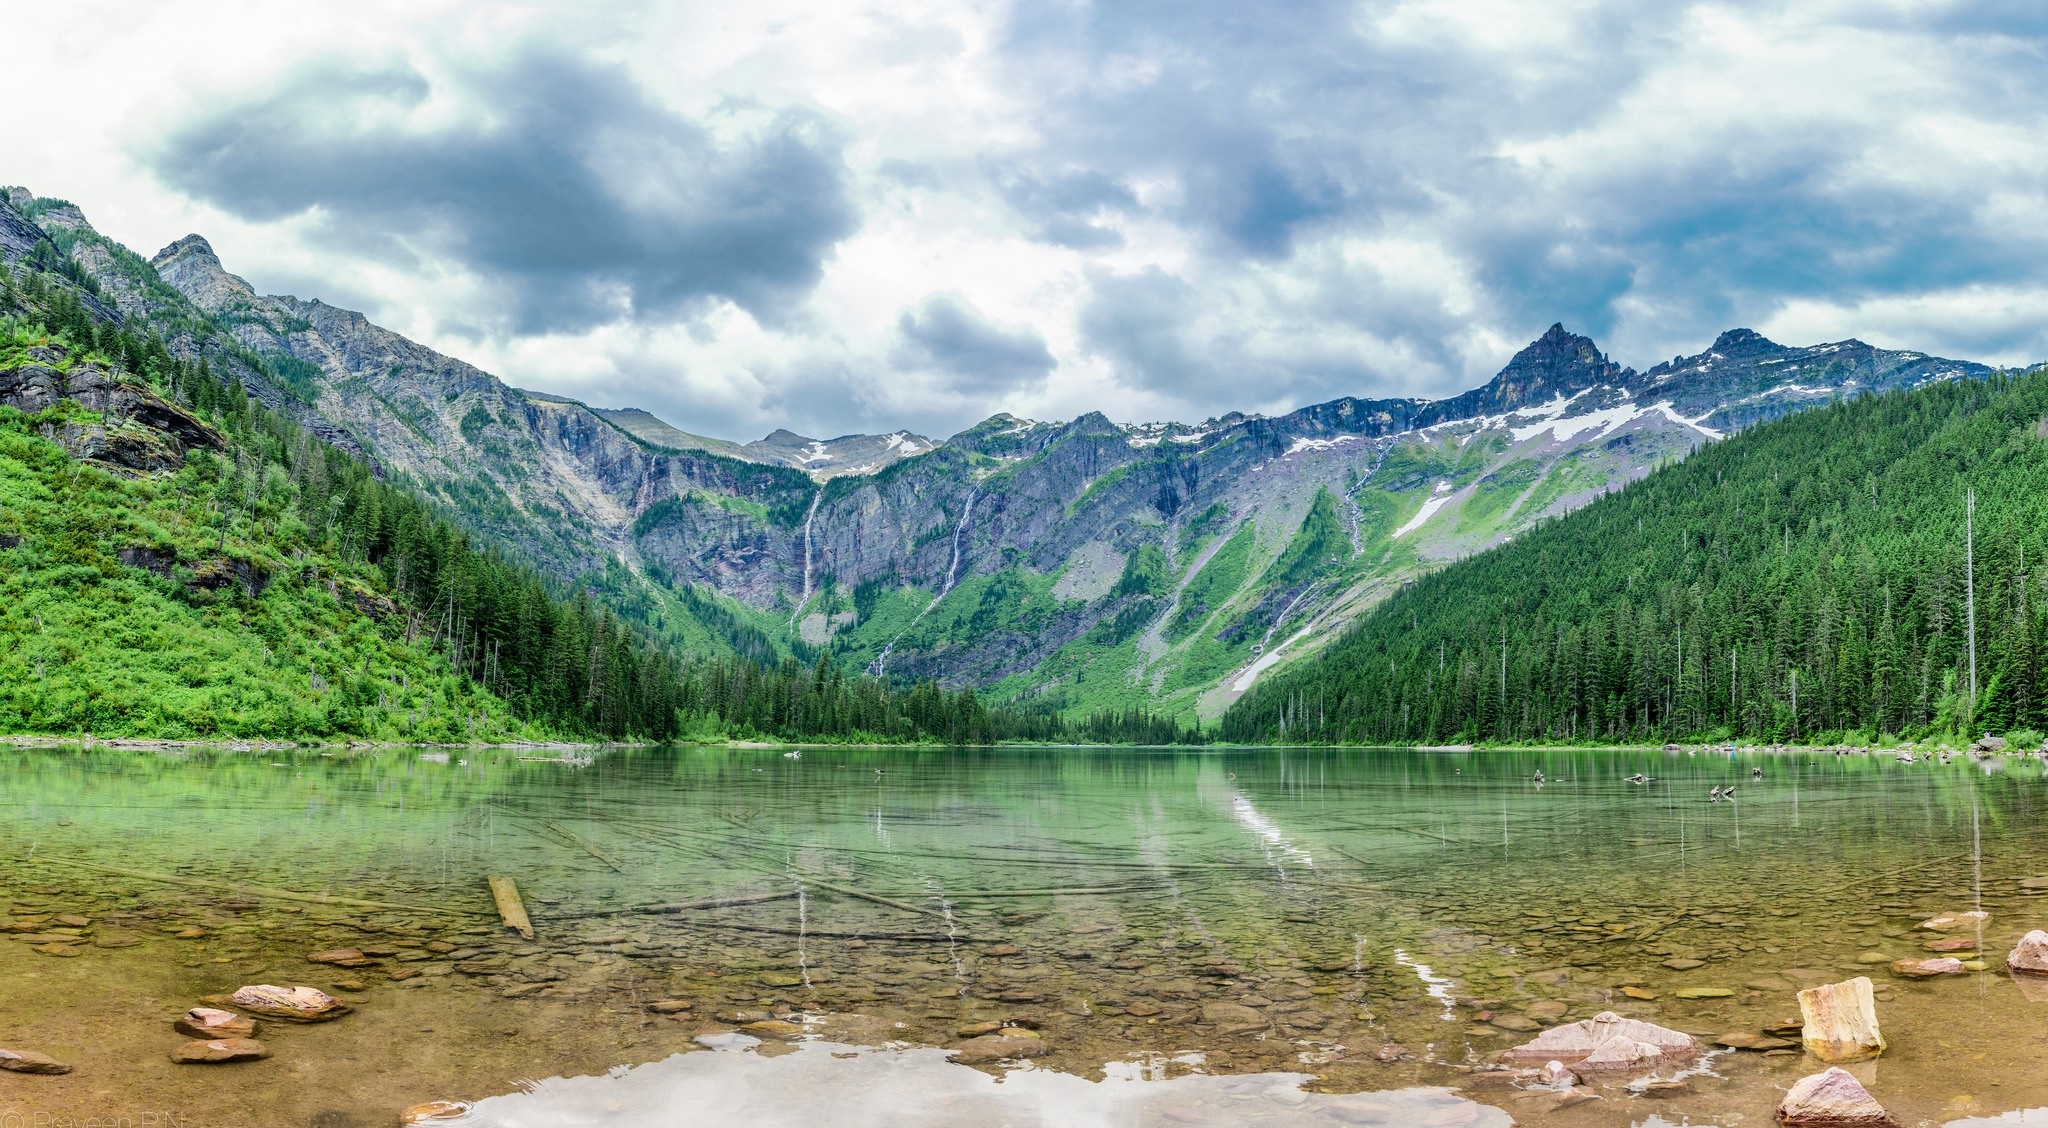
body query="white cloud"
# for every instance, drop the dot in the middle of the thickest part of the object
(1193, 211)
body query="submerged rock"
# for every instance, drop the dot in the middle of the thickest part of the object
(1949, 922)
(1234, 1018)
(292, 1004)
(1840, 1021)
(1927, 969)
(1008, 1042)
(1833, 1099)
(341, 957)
(206, 1023)
(220, 1051)
(2031, 956)
(1607, 1041)
(434, 1112)
(29, 1061)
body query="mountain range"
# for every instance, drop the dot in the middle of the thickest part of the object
(1078, 564)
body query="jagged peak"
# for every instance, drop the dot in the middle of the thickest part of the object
(191, 246)
(190, 265)
(1742, 339)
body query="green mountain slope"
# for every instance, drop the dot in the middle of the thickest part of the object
(1804, 579)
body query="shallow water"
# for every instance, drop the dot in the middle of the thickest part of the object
(1298, 913)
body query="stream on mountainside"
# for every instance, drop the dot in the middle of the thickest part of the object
(1238, 936)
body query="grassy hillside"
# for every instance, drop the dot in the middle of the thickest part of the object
(1807, 579)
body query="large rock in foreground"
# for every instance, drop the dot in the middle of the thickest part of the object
(292, 1004)
(1834, 1099)
(2031, 956)
(1607, 1041)
(1841, 1021)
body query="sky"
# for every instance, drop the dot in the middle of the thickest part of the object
(852, 217)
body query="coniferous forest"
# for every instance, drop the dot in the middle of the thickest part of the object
(1812, 578)
(356, 610)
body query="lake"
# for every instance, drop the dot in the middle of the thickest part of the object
(1242, 936)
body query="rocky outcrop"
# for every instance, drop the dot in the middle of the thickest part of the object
(1607, 1042)
(1834, 1099)
(139, 429)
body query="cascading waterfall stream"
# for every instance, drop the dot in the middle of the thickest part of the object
(881, 662)
(809, 516)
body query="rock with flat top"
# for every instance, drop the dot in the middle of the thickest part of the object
(1949, 922)
(206, 1024)
(1834, 1099)
(1927, 969)
(29, 1061)
(1840, 1021)
(220, 1051)
(1009, 1042)
(292, 1004)
(1607, 1041)
(2031, 956)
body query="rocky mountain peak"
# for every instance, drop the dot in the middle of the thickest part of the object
(1736, 341)
(1559, 362)
(190, 265)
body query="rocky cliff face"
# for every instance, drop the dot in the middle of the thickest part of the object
(1085, 563)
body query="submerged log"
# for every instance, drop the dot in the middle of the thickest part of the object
(1841, 1021)
(513, 910)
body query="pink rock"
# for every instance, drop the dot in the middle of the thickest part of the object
(1834, 1099)
(1923, 969)
(206, 1024)
(2031, 956)
(1607, 1041)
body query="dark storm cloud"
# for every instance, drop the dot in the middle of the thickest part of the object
(1282, 125)
(572, 192)
(975, 357)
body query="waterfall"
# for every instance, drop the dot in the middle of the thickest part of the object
(880, 663)
(809, 516)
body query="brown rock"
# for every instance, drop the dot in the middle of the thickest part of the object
(434, 1112)
(1520, 1024)
(1951, 944)
(1662, 1090)
(341, 957)
(29, 1061)
(292, 1004)
(1009, 1042)
(206, 1024)
(71, 920)
(1003, 950)
(2031, 956)
(1840, 1021)
(1142, 1008)
(670, 1006)
(61, 950)
(1747, 1040)
(219, 1051)
(1949, 922)
(1927, 969)
(1607, 1041)
(772, 1028)
(1833, 1099)
(1234, 1018)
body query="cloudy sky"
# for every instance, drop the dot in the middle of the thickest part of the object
(844, 217)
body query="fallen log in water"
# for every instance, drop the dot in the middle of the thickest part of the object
(510, 908)
(259, 890)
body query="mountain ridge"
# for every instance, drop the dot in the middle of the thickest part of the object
(1080, 564)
